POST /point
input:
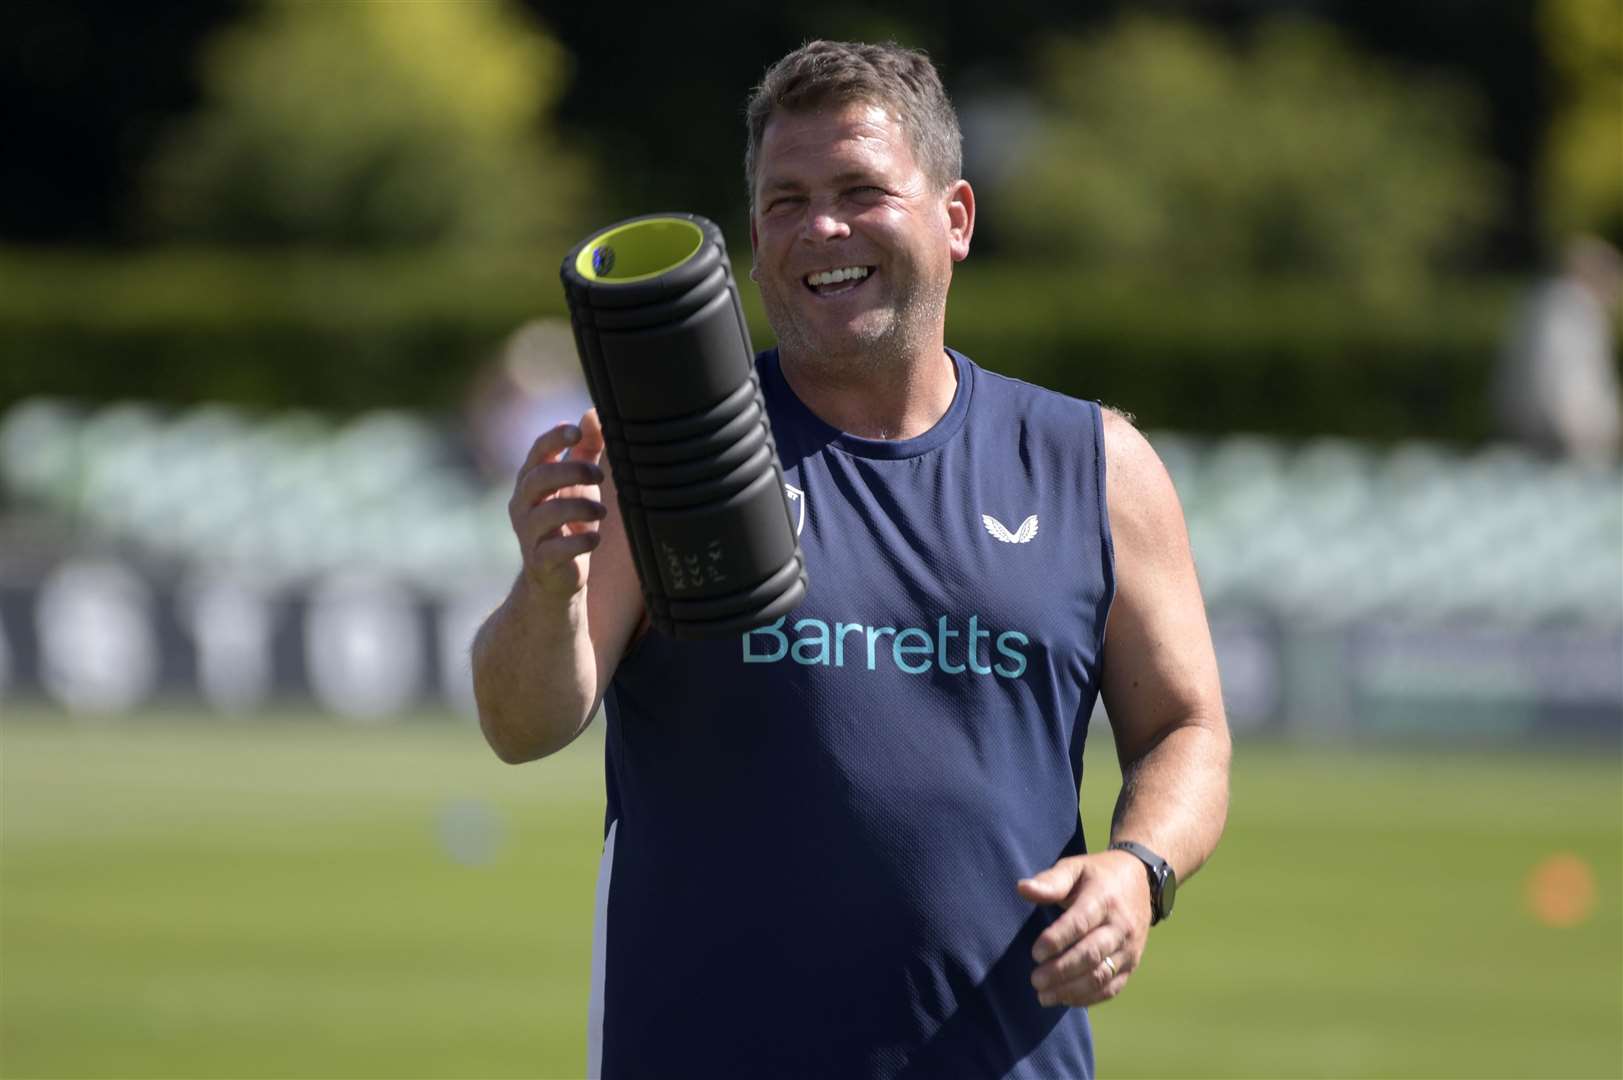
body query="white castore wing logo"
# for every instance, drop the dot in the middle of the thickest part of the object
(1022, 535)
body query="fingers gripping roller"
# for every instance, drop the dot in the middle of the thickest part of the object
(667, 357)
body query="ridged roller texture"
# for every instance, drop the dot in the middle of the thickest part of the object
(667, 358)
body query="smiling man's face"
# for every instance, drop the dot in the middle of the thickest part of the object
(854, 244)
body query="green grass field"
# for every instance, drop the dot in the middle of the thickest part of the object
(194, 897)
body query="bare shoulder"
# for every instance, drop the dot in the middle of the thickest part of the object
(1143, 504)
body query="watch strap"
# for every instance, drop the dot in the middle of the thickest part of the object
(1159, 871)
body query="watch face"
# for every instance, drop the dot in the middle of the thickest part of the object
(1169, 890)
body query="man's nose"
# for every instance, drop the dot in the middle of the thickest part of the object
(824, 224)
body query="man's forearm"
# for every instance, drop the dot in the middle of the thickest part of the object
(534, 674)
(1175, 795)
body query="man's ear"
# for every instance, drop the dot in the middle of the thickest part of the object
(960, 219)
(755, 244)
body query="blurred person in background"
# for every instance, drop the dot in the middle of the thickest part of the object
(861, 855)
(1557, 386)
(533, 384)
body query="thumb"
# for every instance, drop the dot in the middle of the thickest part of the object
(1052, 885)
(590, 447)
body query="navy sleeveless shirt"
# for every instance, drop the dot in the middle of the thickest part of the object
(814, 829)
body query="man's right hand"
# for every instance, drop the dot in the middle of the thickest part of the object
(543, 659)
(557, 505)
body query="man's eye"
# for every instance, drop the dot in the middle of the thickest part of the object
(784, 201)
(868, 191)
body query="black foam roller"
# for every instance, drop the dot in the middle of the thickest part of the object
(667, 358)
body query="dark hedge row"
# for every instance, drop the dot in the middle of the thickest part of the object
(354, 332)
(1284, 358)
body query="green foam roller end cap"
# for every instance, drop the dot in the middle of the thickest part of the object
(639, 251)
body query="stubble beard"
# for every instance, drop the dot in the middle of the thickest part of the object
(907, 327)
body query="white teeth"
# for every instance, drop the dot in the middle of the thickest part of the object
(833, 277)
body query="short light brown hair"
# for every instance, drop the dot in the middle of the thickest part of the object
(902, 81)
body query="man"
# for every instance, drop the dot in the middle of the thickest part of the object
(1556, 387)
(847, 844)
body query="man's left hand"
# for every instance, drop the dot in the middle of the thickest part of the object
(1088, 953)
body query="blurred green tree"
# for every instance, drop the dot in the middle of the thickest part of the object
(1581, 176)
(1164, 150)
(372, 124)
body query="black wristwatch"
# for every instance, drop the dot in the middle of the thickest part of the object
(1163, 881)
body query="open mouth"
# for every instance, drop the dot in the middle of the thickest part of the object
(839, 280)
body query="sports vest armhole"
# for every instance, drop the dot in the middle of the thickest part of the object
(1106, 545)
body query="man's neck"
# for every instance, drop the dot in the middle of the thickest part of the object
(893, 400)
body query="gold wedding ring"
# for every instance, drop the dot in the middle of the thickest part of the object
(1110, 962)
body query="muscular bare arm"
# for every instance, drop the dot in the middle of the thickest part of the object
(1160, 686)
(543, 659)
(1160, 681)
